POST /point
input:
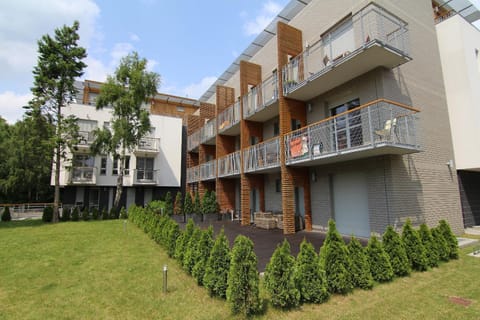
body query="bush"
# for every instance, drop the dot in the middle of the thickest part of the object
(206, 203)
(197, 206)
(414, 248)
(95, 214)
(75, 214)
(243, 280)
(47, 215)
(178, 203)
(66, 212)
(379, 261)
(201, 255)
(6, 216)
(279, 280)
(173, 235)
(395, 249)
(182, 241)
(168, 204)
(189, 259)
(427, 241)
(157, 206)
(187, 204)
(308, 277)
(335, 260)
(85, 214)
(217, 267)
(123, 213)
(450, 238)
(105, 215)
(114, 213)
(440, 244)
(360, 267)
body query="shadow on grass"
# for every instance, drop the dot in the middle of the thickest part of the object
(21, 223)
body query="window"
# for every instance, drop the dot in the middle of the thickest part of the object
(348, 127)
(180, 109)
(278, 185)
(115, 166)
(145, 169)
(127, 166)
(83, 161)
(296, 124)
(103, 166)
(276, 128)
(339, 41)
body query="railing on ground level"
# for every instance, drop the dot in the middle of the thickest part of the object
(148, 144)
(209, 130)
(193, 140)
(378, 123)
(26, 210)
(83, 175)
(229, 117)
(145, 176)
(208, 170)
(260, 96)
(371, 25)
(229, 165)
(193, 174)
(263, 155)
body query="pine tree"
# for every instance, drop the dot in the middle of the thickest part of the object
(197, 206)
(206, 203)
(218, 265)
(427, 241)
(6, 215)
(188, 205)
(379, 261)
(178, 203)
(243, 279)
(414, 248)
(395, 249)
(173, 234)
(440, 244)
(189, 259)
(182, 241)
(452, 243)
(360, 267)
(202, 254)
(308, 277)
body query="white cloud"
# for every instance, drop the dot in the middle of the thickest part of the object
(12, 104)
(257, 24)
(133, 37)
(193, 90)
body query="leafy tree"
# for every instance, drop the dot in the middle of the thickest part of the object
(189, 259)
(182, 241)
(379, 261)
(202, 254)
(360, 267)
(218, 265)
(427, 241)
(197, 206)
(188, 205)
(6, 215)
(395, 249)
(243, 279)
(4, 157)
(126, 91)
(452, 243)
(308, 277)
(59, 64)
(178, 203)
(168, 204)
(414, 248)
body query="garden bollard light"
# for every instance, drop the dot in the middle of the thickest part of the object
(165, 278)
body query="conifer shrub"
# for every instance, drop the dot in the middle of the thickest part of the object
(182, 241)
(205, 207)
(197, 206)
(157, 206)
(75, 214)
(178, 203)
(427, 241)
(440, 244)
(379, 261)
(395, 249)
(279, 280)
(308, 277)
(114, 213)
(217, 267)
(335, 260)
(190, 250)
(95, 214)
(6, 216)
(168, 204)
(173, 234)
(123, 213)
(66, 213)
(243, 279)
(85, 214)
(452, 243)
(202, 254)
(47, 215)
(360, 267)
(187, 204)
(105, 215)
(414, 248)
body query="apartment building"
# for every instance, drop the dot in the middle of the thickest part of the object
(459, 44)
(336, 110)
(151, 169)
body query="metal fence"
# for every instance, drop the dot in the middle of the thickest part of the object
(193, 140)
(263, 155)
(208, 170)
(229, 164)
(193, 174)
(260, 96)
(229, 117)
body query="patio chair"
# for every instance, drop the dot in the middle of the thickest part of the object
(386, 132)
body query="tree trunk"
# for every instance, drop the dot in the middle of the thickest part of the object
(118, 194)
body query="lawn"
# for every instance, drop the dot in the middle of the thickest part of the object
(99, 269)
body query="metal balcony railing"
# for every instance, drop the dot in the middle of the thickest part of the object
(193, 174)
(145, 176)
(193, 140)
(83, 175)
(229, 117)
(148, 144)
(208, 170)
(209, 130)
(371, 26)
(373, 126)
(264, 155)
(260, 96)
(86, 138)
(229, 165)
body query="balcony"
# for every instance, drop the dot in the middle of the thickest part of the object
(381, 127)
(208, 170)
(147, 145)
(146, 177)
(229, 119)
(193, 174)
(83, 176)
(262, 157)
(209, 132)
(260, 102)
(371, 38)
(229, 165)
(193, 141)
(85, 140)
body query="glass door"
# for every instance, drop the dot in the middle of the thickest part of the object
(347, 131)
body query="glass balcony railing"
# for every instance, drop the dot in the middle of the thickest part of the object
(193, 140)
(145, 176)
(229, 117)
(376, 128)
(83, 175)
(260, 96)
(208, 131)
(208, 170)
(148, 145)
(229, 165)
(371, 38)
(264, 155)
(193, 174)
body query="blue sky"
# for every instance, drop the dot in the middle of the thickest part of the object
(189, 43)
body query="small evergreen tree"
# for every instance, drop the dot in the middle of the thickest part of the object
(218, 265)
(178, 203)
(243, 280)
(94, 213)
(395, 249)
(279, 280)
(308, 277)
(183, 240)
(75, 214)
(105, 215)
(379, 261)
(47, 215)
(7, 217)
(414, 248)
(188, 205)
(168, 204)
(202, 254)
(173, 234)
(214, 206)
(335, 260)
(427, 241)
(114, 213)
(197, 206)
(123, 213)
(360, 267)
(85, 214)
(440, 244)
(206, 203)
(189, 259)
(452, 243)
(66, 212)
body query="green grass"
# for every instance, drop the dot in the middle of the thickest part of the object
(85, 270)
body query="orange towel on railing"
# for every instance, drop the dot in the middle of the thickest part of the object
(298, 147)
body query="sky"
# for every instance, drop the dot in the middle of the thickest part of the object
(189, 43)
